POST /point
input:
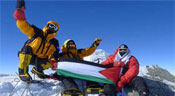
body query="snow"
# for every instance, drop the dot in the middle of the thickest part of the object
(44, 88)
(5, 88)
(99, 55)
(8, 78)
(143, 71)
(168, 82)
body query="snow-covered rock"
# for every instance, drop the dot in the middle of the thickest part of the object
(98, 56)
(158, 80)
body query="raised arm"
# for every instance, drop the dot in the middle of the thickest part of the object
(90, 50)
(21, 22)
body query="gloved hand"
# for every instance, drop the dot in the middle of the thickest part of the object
(120, 85)
(19, 13)
(54, 64)
(20, 4)
(119, 64)
(97, 41)
(54, 76)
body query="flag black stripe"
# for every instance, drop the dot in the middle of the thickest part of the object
(84, 62)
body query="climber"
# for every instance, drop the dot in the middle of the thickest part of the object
(69, 50)
(129, 71)
(40, 49)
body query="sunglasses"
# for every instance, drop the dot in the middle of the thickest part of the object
(53, 26)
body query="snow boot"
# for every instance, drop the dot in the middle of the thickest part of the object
(109, 90)
(39, 73)
(24, 61)
(71, 92)
(94, 89)
(24, 76)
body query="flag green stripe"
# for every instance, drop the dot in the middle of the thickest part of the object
(85, 77)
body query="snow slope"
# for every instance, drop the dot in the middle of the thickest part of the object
(44, 88)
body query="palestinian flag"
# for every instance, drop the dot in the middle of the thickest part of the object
(88, 71)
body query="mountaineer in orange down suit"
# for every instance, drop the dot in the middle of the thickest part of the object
(69, 50)
(41, 48)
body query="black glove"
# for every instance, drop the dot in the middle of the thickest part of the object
(96, 42)
(20, 4)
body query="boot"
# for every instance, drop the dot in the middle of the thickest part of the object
(39, 73)
(24, 61)
(109, 90)
(24, 76)
(94, 88)
(71, 92)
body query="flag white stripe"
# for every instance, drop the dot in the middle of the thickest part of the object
(82, 69)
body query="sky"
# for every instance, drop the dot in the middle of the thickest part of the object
(147, 27)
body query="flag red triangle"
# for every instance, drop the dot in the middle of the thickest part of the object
(111, 73)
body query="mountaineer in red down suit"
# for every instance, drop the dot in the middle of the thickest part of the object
(129, 70)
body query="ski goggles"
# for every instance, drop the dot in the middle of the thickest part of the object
(71, 46)
(53, 26)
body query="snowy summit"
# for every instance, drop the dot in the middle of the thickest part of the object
(11, 85)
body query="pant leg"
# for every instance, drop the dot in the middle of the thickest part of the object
(25, 56)
(41, 64)
(68, 82)
(109, 90)
(140, 85)
(91, 83)
(24, 61)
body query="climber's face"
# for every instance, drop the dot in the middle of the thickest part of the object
(50, 30)
(53, 27)
(72, 47)
(123, 49)
(69, 46)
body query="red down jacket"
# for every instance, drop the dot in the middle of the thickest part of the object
(130, 73)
